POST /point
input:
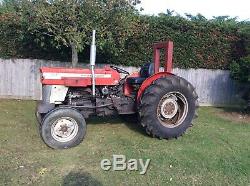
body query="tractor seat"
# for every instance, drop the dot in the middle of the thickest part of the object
(135, 80)
(146, 71)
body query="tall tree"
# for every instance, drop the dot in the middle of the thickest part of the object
(69, 22)
(61, 21)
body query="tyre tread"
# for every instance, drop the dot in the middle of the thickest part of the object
(149, 96)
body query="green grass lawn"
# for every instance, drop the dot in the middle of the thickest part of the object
(215, 151)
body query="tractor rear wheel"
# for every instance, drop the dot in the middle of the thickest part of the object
(168, 107)
(63, 128)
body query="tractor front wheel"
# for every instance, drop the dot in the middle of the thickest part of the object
(63, 128)
(168, 107)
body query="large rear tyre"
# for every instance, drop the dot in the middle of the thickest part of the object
(63, 128)
(168, 107)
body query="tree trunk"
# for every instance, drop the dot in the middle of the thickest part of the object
(74, 55)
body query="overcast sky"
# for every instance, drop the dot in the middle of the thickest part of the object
(208, 8)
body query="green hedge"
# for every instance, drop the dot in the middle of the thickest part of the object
(198, 43)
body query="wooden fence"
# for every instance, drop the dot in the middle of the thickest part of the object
(20, 79)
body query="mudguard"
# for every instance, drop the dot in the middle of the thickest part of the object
(149, 81)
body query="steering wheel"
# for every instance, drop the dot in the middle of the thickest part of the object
(119, 70)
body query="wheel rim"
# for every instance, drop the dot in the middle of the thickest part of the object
(64, 129)
(172, 109)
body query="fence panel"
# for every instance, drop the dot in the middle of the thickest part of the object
(20, 79)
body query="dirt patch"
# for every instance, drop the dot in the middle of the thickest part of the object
(235, 115)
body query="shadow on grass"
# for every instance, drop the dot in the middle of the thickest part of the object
(130, 122)
(236, 114)
(80, 178)
(238, 110)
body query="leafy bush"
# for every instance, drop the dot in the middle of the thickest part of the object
(240, 69)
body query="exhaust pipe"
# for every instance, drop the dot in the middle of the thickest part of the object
(92, 62)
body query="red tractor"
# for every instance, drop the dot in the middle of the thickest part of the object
(164, 103)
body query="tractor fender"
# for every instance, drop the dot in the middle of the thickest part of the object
(149, 81)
